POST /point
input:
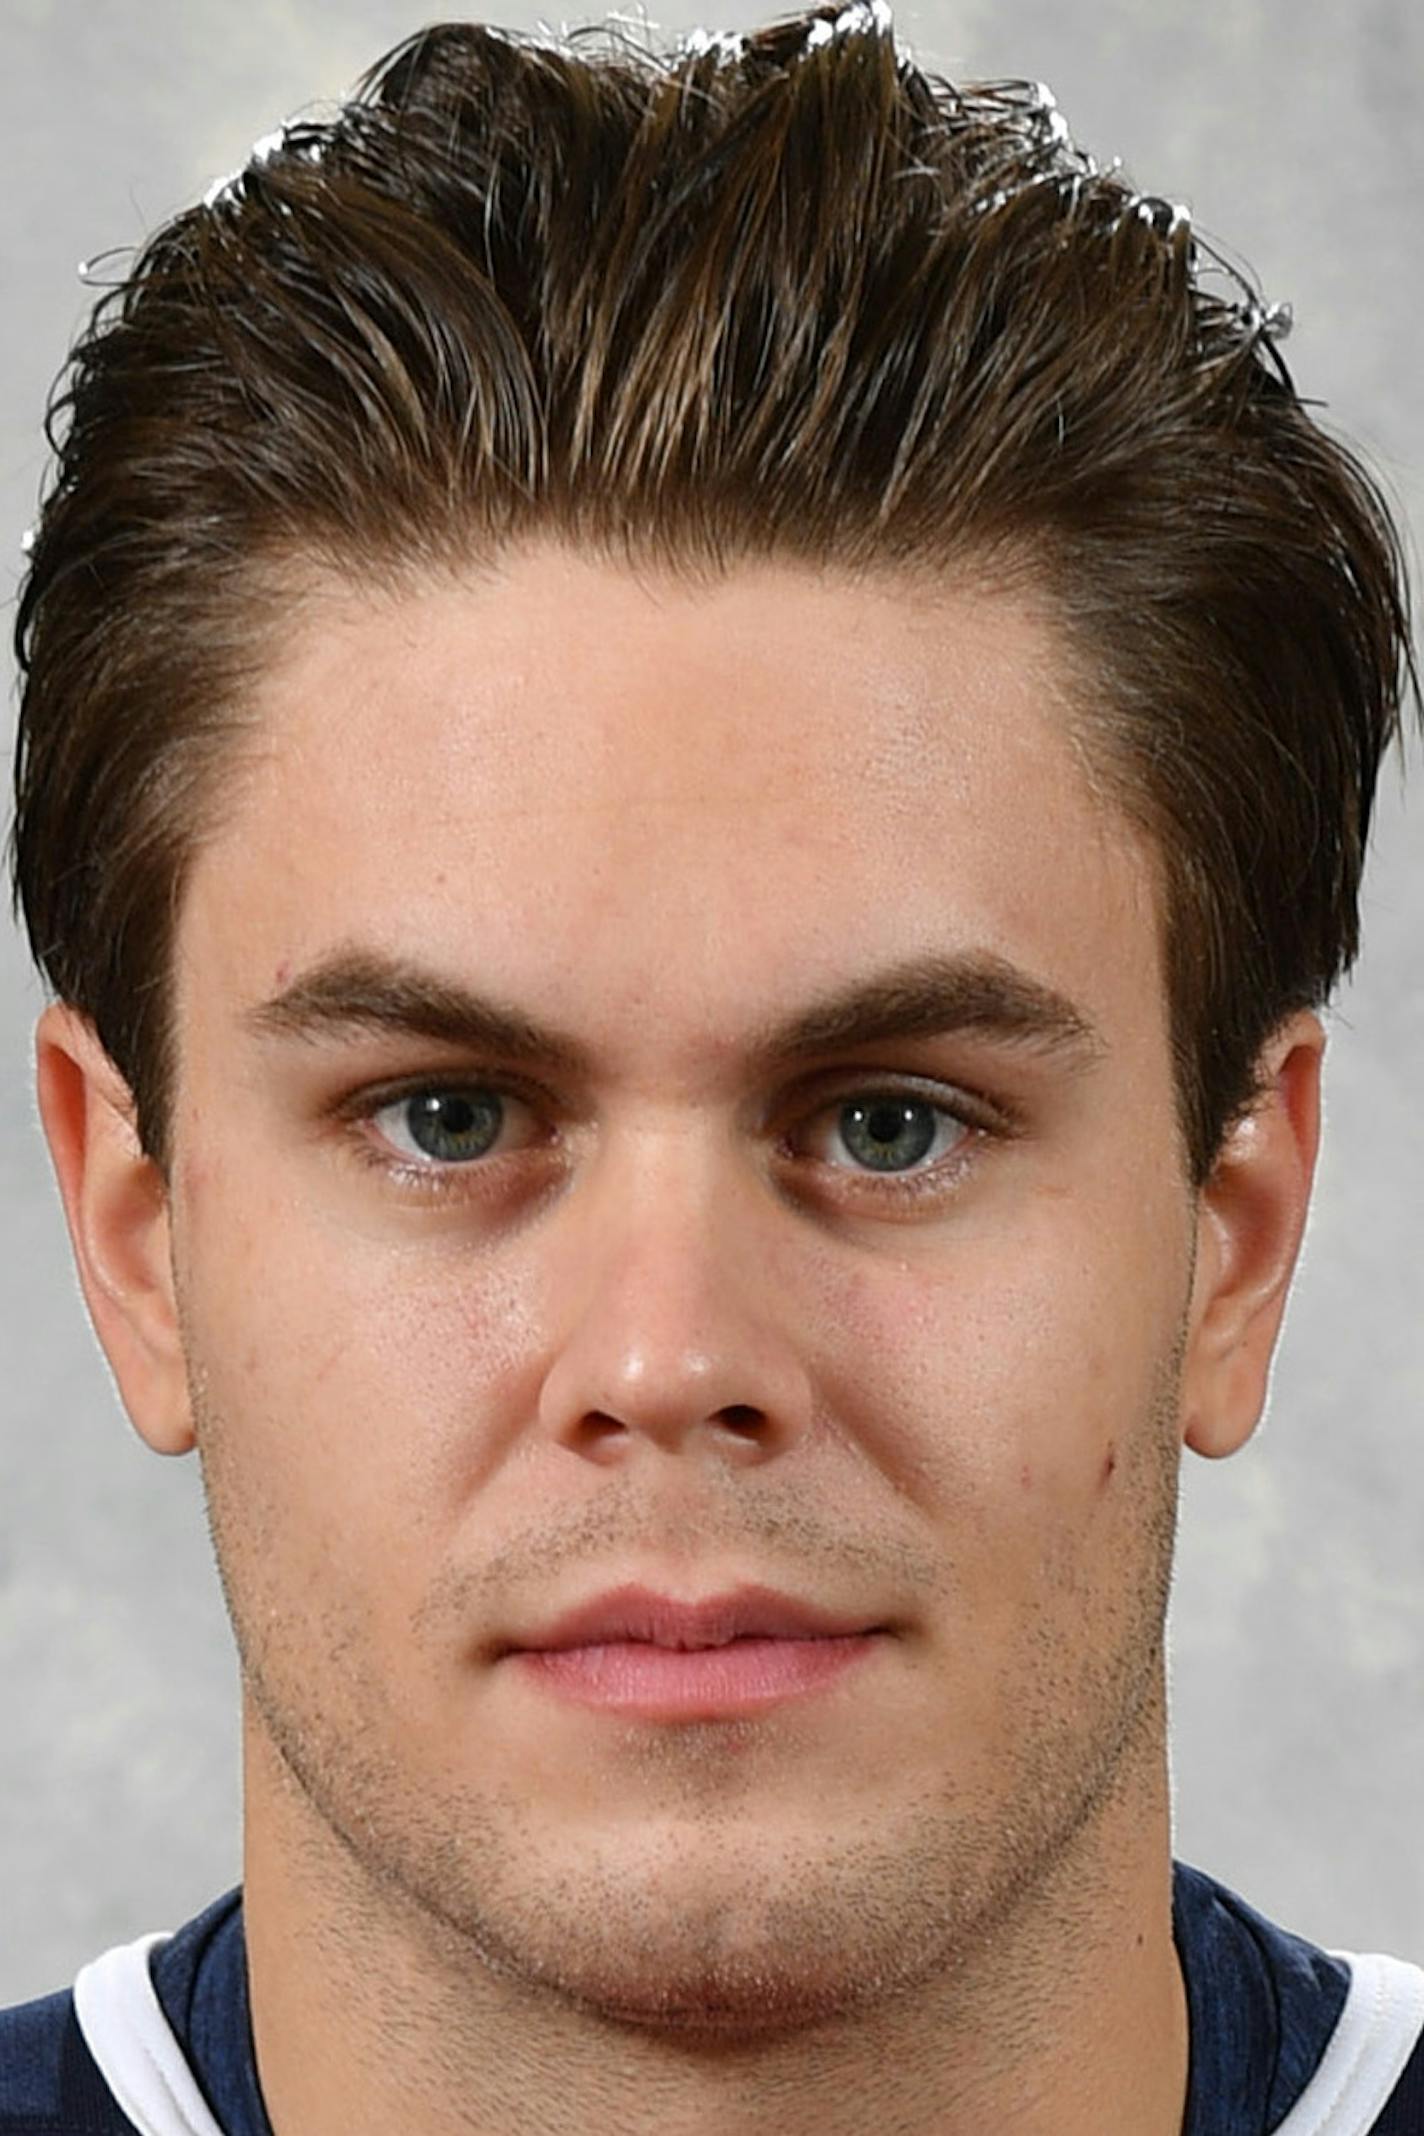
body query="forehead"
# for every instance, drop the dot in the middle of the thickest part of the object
(620, 790)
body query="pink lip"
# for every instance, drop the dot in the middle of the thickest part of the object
(638, 1613)
(645, 1655)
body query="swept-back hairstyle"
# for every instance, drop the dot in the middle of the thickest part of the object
(779, 296)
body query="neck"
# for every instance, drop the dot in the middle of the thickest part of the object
(369, 2015)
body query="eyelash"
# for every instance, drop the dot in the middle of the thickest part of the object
(981, 1119)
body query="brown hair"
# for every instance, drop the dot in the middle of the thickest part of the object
(785, 295)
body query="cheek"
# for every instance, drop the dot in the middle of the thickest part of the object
(1011, 1381)
(352, 1388)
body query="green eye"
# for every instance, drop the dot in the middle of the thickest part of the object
(889, 1134)
(444, 1126)
(895, 1133)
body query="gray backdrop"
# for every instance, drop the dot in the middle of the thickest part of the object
(1293, 129)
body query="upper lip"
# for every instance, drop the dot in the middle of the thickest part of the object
(637, 1613)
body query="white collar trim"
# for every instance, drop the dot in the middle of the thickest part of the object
(129, 2037)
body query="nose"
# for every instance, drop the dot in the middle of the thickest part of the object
(673, 1331)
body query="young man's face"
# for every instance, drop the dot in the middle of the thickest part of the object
(895, 1326)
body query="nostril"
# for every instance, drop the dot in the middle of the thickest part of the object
(602, 1435)
(742, 1418)
(598, 1432)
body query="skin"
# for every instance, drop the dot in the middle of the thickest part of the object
(672, 1330)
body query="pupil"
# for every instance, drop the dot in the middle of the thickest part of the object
(890, 1134)
(452, 1124)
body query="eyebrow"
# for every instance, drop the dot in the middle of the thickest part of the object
(359, 990)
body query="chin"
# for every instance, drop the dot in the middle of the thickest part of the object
(722, 1949)
(726, 1995)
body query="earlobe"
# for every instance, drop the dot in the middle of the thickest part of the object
(1250, 1223)
(116, 1206)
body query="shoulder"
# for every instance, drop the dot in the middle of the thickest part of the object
(1335, 2038)
(138, 2002)
(31, 2045)
(1371, 2076)
(1404, 2114)
(49, 2085)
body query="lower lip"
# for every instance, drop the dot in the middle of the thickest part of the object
(634, 1677)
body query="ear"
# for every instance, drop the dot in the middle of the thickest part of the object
(1250, 1221)
(116, 1205)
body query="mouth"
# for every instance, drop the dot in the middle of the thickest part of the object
(644, 1655)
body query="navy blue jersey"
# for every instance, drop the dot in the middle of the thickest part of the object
(1285, 2037)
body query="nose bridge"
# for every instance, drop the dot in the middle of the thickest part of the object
(668, 1327)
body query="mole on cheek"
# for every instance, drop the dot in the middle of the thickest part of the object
(1109, 1464)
